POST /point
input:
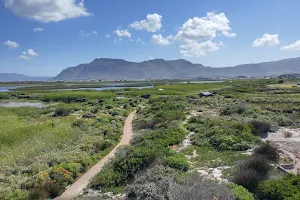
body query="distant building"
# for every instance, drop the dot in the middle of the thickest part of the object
(205, 94)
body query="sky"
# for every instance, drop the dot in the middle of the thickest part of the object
(43, 37)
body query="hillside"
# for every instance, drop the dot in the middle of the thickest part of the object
(106, 68)
(10, 77)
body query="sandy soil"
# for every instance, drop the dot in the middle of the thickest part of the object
(290, 146)
(76, 188)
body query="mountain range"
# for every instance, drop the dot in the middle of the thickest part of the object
(5, 77)
(119, 69)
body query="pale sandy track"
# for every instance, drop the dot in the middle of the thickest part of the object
(76, 188)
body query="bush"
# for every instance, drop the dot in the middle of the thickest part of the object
(154, 184)
(178, 162)
(267, 150)
(249, 179)
(234, 109)
(260, 128)
(195, 187)
(61, 111)
(288, 188)
(258, 163)
(281, 81)
(241, 193)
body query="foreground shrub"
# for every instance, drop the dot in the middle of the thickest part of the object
(241, 193)
(178, 162)
(249, 179)
(154, 184)
(195, 187)
(260, 128)
(267, 150)
(251, 171)
(288, 188)
(258, 163)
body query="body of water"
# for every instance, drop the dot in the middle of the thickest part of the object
(7, 88)
(21, 104)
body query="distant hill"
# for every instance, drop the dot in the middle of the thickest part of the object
(12, 77)
(116, 69)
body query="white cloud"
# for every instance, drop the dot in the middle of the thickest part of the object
(151, 58)
(28, 54)
(151, 24)
(107, 36)
(266, 40)
(160, 40)
(38, 29)
(195, 49)
(47, 10)
(122, 33)
(31, 52)
(292, 47)
(205, 28)
(95, 32)
(11, 44)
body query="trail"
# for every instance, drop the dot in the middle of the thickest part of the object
(76, 188)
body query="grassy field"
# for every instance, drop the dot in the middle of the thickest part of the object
(284, 85)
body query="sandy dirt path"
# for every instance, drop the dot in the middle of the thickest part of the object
(76, 188)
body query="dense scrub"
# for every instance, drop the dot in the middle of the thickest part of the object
(286, 189)
(147, 147)
(222, 135)
(44, 150)
(162, 182)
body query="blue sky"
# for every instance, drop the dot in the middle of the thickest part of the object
(42, 37)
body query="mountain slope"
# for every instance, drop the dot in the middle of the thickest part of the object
(117, 69)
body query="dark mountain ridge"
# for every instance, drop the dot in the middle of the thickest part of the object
(117, 69)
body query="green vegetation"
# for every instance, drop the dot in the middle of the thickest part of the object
(44, 150)
(286, 189)
(146, 147)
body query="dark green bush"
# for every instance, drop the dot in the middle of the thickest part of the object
(61, 111)
(258, 163)
(178, 161)
(267, 150)
(288, 188)
(248, 178)
(260, 128)
(241, 193)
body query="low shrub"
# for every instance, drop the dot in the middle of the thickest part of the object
(249, 179)
(194, 187)
(154, 184)
(267, 150)
(61, 111)
(258, 163)
(288, 188)
(178, 161)
(260, 128)
(241, 193)
(234, 109)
